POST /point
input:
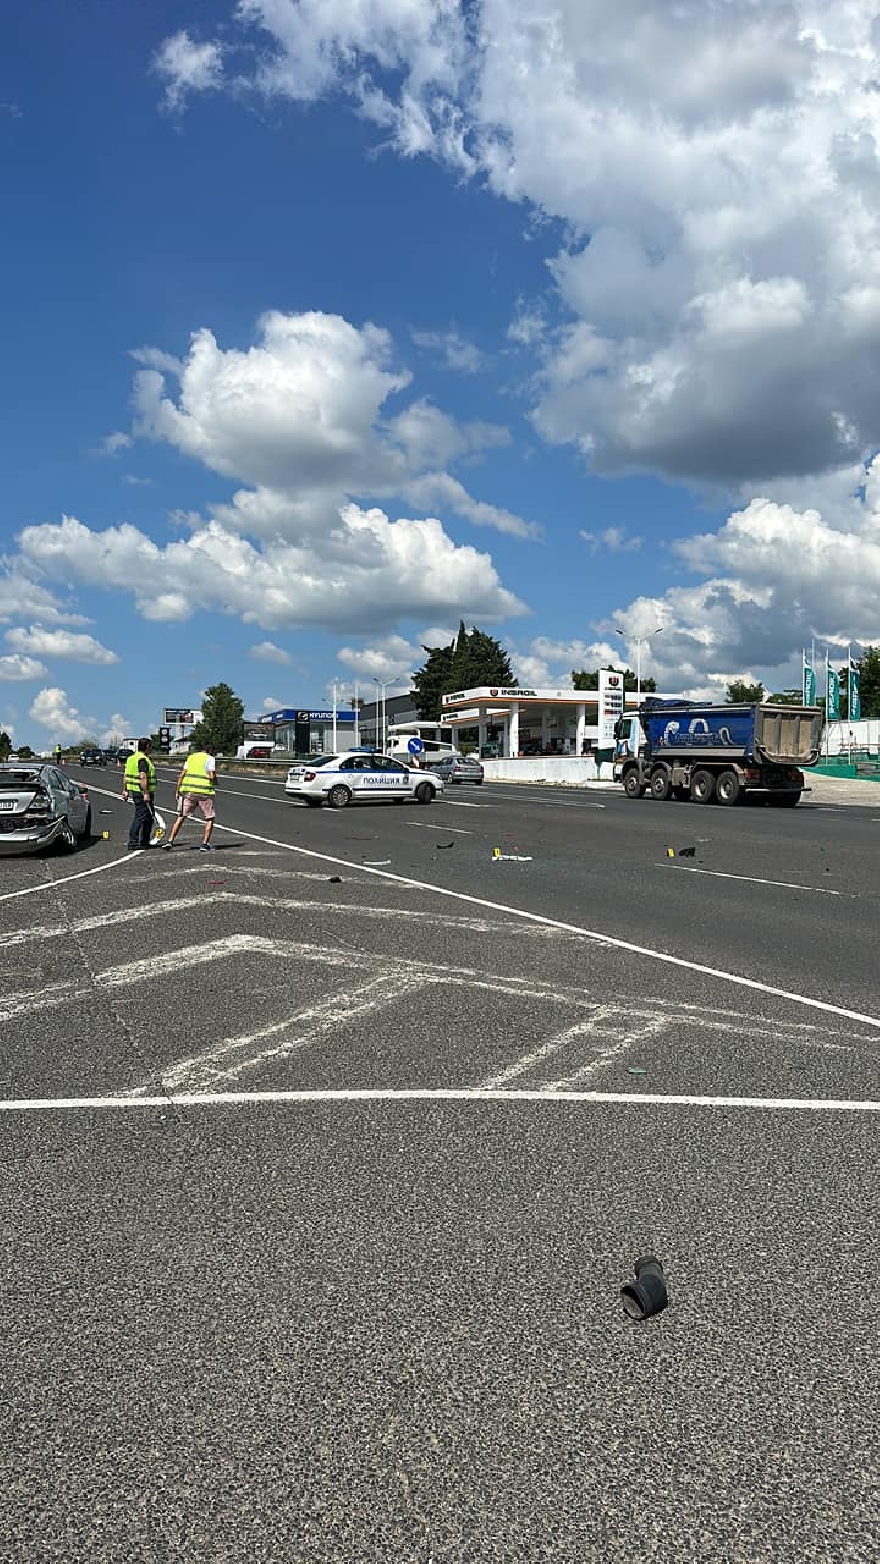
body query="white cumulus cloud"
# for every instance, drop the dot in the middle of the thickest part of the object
(21, 595)
(73, 646)
(268, 652)
(187, 66)
(450, 349)
(716, 169)
(16, 667)
(299, 417)
(53, 711)
(392, 657)
(368, 571)
(615, 539)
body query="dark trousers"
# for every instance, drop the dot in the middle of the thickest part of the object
(141, 828)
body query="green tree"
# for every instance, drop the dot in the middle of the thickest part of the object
(471, 660)
(786, 698)
(588, 679)
(5, 745)
(222, 723)
(738, 692)
(25, 752)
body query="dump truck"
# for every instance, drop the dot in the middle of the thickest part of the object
(682, 749)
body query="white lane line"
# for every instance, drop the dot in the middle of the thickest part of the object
(129, 972)
(753, 879)
(100, 921)
(36, 932)
(608, 940)
(537, 1056)
(313, 1025)
(459, 803)
(422, 825)
(52, 885)
(467, 1094)
(621, 1045)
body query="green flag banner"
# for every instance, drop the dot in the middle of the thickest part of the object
(809, 684)
(832, 694)
(855, 699)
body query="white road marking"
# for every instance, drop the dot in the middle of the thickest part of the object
(313, 1024)
(537, 1056)
(51, 885)
(459, 803)
(467, 925)
(466, 1094)
(753, 879)
(132, 972)
(621, 1045)
(542, 921)
(100, 921)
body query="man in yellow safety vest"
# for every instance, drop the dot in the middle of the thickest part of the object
(139, 784)
(196, 787)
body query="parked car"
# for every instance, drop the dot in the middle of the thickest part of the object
(92, 757)
(40, 805)
(458, 768)
(359, 778)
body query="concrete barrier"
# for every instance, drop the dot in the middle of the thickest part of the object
(563, 770)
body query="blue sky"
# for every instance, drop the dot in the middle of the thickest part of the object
(329, 325)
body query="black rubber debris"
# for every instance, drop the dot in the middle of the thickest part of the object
(647, 1294)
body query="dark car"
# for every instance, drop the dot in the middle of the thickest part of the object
(92, 757)
(458, 768)
(39, 805)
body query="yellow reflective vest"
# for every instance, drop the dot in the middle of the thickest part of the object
(134, 765)
(195, 778)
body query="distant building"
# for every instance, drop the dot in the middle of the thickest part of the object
(302, 730)
(398, 708)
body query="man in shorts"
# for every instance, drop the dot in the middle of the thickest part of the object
(196, 787)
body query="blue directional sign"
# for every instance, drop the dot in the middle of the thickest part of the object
(415, 746)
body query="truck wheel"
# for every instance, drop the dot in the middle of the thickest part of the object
(632, 785)
(727, 788)
(661, 787)
(702, 787)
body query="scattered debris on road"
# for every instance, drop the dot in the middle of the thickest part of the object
(647, 1294)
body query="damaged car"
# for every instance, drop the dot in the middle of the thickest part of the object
(41, 806)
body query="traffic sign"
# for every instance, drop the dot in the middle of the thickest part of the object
(415, 746)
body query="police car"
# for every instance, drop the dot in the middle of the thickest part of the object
(358, 778)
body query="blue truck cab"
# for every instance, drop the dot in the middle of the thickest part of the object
(682, 749)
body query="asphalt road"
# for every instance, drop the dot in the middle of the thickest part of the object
(324, 1158)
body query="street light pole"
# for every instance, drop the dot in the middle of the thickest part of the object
(638, 640)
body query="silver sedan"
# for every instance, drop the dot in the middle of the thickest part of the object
(40, 805)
